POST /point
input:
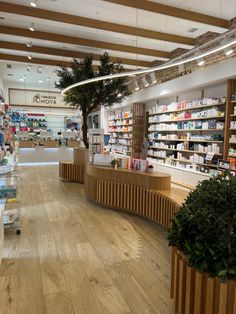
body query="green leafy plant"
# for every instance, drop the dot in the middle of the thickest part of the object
(114, 163)
(91, 97)
(204, 229)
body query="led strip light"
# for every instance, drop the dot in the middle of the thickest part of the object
(157, 68)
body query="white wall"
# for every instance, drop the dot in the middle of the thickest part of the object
(211, 75)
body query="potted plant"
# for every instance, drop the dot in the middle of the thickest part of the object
(114, 163)
(203, 235)
(150, 169)
(91, 97)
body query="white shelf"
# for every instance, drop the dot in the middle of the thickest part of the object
(188, 109)
(187, 130)
(185, 140)
(190, 119)
(183, 150)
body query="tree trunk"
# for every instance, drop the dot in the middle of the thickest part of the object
(85, 131)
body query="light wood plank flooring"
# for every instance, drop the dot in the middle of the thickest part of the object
(76, 257)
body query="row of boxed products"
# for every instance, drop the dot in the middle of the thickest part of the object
(187, 137)
(120, 123)
(120, 129)
(121, 115)
(215, 148)
(187, 104)
(121, 142)
(190, 125)
(185, 115)
(232, 138)
(192, 167)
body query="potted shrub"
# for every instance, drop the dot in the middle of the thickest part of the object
(114, 163)
(203, 235)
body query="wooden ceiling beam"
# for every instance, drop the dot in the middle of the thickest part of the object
(92, 23)
(68, 53)
(9, 57)
(173, 11)
(24, 59)
(15, 31)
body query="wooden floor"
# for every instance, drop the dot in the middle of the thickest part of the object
(75, 257)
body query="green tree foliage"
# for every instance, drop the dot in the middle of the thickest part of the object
(92, 96)
(205, 227)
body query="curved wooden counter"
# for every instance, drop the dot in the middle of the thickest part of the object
(71, 171)
(139, 193)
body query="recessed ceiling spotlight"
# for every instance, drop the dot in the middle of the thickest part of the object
(31, 27)
(39, 69)
(21, 79)
(40, 82)
(136, 86)
(57, 83)
(34, 3)
(200, 62)
(29, 44)
(228, 51)
(153, 78)
(145, 82)
(29, 57)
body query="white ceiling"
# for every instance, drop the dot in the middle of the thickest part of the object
(101, 10)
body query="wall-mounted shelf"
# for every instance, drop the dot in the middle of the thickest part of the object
(191, 119)
(188, 109)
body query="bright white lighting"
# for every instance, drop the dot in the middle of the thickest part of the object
(157, 68)
(29, 57)
(40, 82)
(29, 44)
(31, 28)
(33, 4)
(201, 62)
(228, 51)
(21, 79)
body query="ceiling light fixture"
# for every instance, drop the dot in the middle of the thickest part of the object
(228, 51)
(200, 62)
(157, 68)
(153, 78)
(136, 86)
(29, 44)
(39, 69)
(40, 82)
(33, 3)
(31, 27)
(21, 79)
(29, 57)
(145, 82)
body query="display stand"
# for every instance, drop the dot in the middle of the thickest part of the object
(96, 143)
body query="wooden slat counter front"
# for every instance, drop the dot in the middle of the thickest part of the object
(139, 193)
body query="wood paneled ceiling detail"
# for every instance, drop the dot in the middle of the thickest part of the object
(92, 23)
(173, 11)
(81, 41)
(67, 53)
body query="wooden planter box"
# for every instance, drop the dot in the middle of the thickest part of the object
(26, 144)
(196, 293)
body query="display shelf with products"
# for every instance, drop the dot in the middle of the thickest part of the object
(230, 133)
(120, 126)
(96, 143)
(188, 133)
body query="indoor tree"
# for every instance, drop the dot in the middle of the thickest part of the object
(92, 96)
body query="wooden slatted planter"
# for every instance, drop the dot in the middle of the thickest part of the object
(70, 171)
(197, 293)
(132, 198)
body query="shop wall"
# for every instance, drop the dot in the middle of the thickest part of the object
(211, 75)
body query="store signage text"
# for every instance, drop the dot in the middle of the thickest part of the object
(43, 99)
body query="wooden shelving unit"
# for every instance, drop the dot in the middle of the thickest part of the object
(133, 119)
(184, 146)
(230, 132)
